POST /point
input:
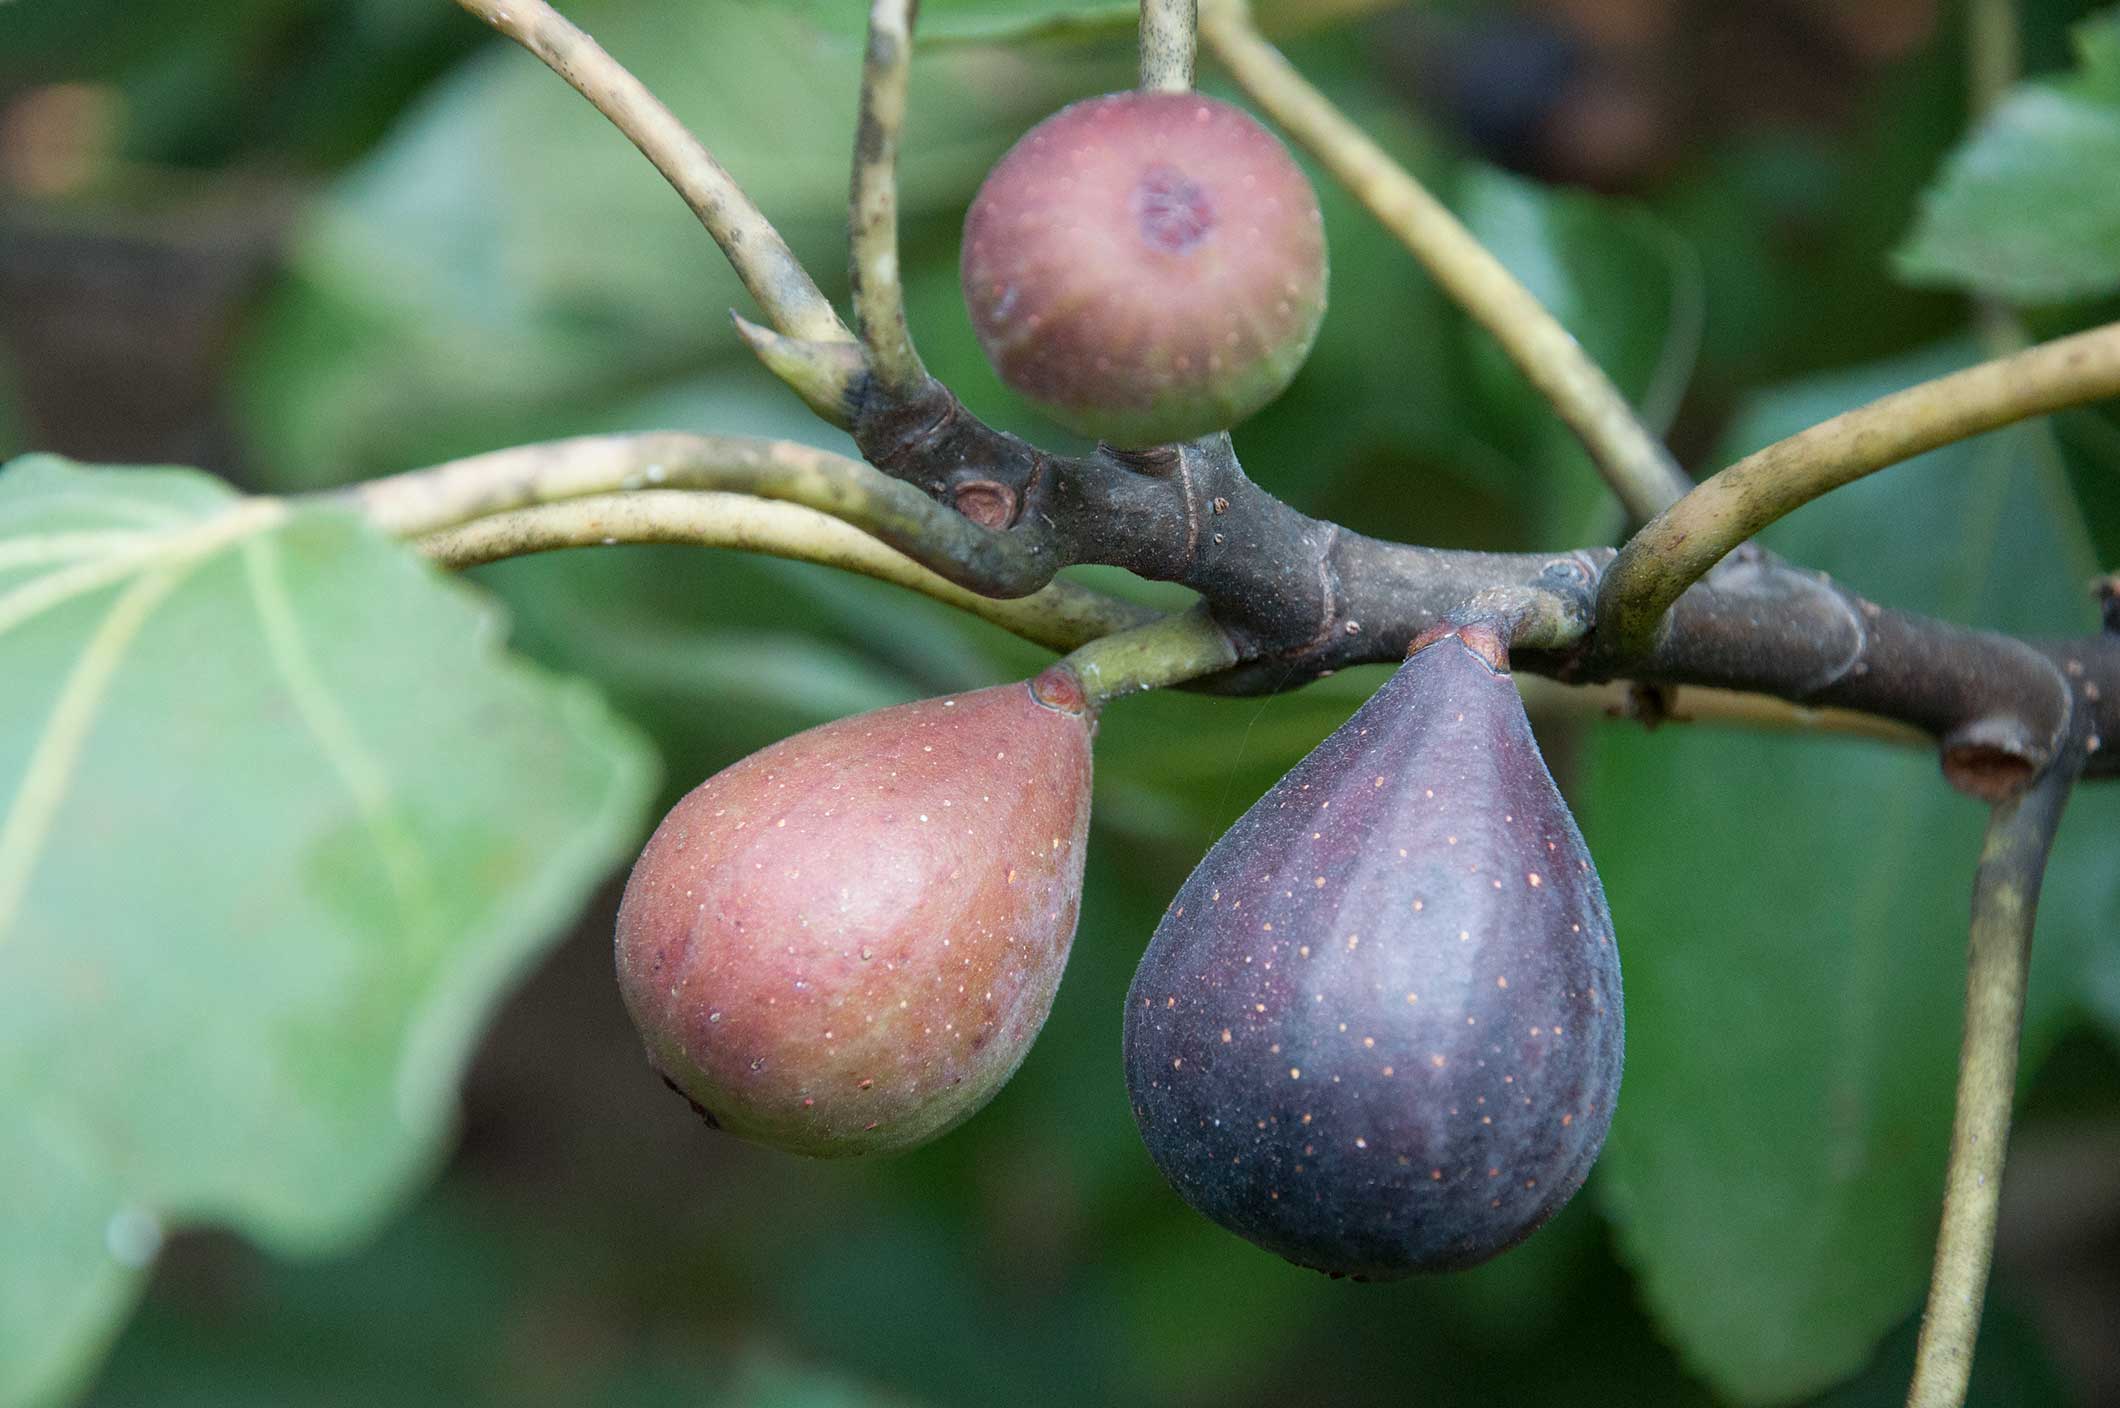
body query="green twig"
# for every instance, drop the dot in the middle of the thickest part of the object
(1678, 546)
(1638, 467)
(1062, 616)
(2005, 900)
(1169, 36)
(879, 297)
(1992, 52)
(761, 258)
(939, 538)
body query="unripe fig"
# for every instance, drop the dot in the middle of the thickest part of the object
(1379, 1029)
(1146, 267)
(845, 943)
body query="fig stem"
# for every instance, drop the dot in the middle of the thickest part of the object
(1637, 466)
(1550, 614)
(1061, 616)
(879, 296)
(2020, 836)
(760, 257)
(1678, 546)
(1169, 35)
(1171, 650)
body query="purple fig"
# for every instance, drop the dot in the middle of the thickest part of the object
(1146, 267)
(845, 943)
(1379, 1029)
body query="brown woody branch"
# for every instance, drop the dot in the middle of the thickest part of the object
(1302, 597)
(1295, 596)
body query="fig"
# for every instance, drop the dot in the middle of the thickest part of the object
(1379, 1029)
(846, 942)
(1146, 267)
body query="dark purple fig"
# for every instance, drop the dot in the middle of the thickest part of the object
(1379, 1029)
(1147, 267)
(845, 943)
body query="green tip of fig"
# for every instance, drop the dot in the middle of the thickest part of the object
(846, 943)
(1146, 267)
(1379, 1029)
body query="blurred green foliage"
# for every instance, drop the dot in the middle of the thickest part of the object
(477, 260)
(2012, 215)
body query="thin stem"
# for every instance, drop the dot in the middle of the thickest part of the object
(1552, 613)
(1679, 545)
(940, 538)
(1063, 616)
(879, 297)
(1183, 646)
(756, 251)
(1639, 469)
(1993, 53)
(1169, 30)
(2005, 900)
(1682, 705)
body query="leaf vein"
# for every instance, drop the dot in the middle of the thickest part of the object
(364, 777)
(58, 748)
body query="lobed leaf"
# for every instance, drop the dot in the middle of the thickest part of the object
(279, 824)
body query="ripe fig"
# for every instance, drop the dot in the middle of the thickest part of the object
(1379, 1029)
(1147, 267)
(846, 942)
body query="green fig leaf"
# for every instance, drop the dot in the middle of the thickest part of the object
(1792, 914)
(2028, 209)
(279, 825)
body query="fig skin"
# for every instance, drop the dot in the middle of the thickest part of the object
(845, 943)
(1379, 1030)
(1146, 267)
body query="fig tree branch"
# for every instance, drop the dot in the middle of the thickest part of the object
(760, 257)
(1684, 541)
(1299, 597)
(1168, 39)
(474, 511)
(1638, 467)
(2005, 901)
(879, 298)
(1062, 616)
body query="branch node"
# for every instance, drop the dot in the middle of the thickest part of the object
(986, 503)
(1992, 759)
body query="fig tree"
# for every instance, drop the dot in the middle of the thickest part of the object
(845, 943)
(1146, 267)
(1379, 1030)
